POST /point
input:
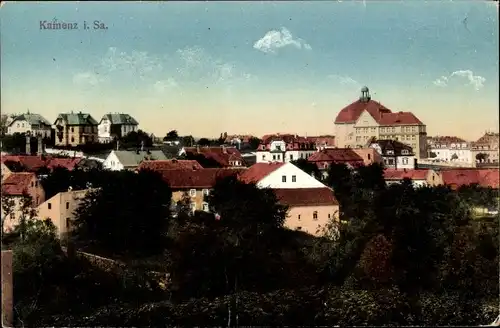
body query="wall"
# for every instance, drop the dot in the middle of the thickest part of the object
(61, 211)
(434, 178)
(344, 135)
(303, 180)
(369, 155)
(306, 222)
(112, 162)
(198, 199)
(75, 135)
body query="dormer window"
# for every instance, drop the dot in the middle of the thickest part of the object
(390, 152)
(404, 152)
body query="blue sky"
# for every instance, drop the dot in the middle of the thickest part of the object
(254, 67)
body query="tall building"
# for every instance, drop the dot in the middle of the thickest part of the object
(365, 118)
(73, 129)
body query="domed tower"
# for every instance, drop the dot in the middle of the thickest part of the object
(365, 95)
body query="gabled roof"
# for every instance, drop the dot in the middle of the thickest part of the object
(131, 158)
(197, 179)
(31, 163)
(337, 155)
(306, 196)
(32, 119)
(119, 119)
(68, 163)
(417, 174)
(463, 177)
(174, 164)
(259, 171)
(17, 183)
(222, 155)
(77, 119)
(394, 145)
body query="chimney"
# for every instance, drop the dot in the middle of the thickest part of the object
(40, 146)
(28, 145)
(117, 144)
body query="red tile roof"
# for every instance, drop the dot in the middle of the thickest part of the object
(259, 171)
(445, 140)
(68, 163)
(380, 113)
(196, 179)
(292, 141)
(417, 174)
(462, 177)
(222, 155)
(306, 196)
(174, 164)
(323, 140)
(17, 183)
(336, 155)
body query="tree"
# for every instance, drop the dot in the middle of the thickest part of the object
(187, 141)
(135, 139)
(8, 207)
(308, 167)
(171, 135)
(482, 157)
(254, 143)
(204, 142)
(432, 154)
(454, 157)
(138, 225)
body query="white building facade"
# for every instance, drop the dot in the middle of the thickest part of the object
(35, 124)
(285, 149)
(116, 126)
(289, 176)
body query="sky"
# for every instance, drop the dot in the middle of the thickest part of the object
(252, 67)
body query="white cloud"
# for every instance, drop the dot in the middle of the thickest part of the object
(137, 63)
(476, 81)
(344, 80)
(441, 81)
(274, 40)
(87, 78)
(164, 85)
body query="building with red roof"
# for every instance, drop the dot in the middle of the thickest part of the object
(171, 164)
(309, 209)
(325, 157)
(194, 185)
(15, 187)
(485, 149)
(223, 156)
(287, 147)
(456, 178)
(419, 177)
(450, 149)
(365, 118)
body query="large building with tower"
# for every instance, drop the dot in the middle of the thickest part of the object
(358, 123)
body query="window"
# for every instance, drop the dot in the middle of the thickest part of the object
(298, 217)
(405, 160)
(49, 206)
(263, 157)
(72, 129)
(192, 206)
(192, 192)
(390, 161)
(315, 215)
(36, 183)
(205, 207)
(67, 205)
(329, 215)
(68, 222)
(404, 152)
(291, 157)
(299, 228)
(72, 139)
(294, 178)
(283, 178)
(369, 157)
(32, 184)
(279, 157)
(274, 157)
(205, 192)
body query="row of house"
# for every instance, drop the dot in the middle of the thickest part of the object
(311, 203)
(73, 129)
(470, 154)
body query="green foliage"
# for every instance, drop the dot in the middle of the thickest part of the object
(308, 167)
(171, 135)
(128, 213)
(61, 179)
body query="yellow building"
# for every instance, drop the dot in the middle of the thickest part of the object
(364, 119)
(73, 129)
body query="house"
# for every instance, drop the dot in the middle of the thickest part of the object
(116, 125)
(309, 209)
(365, 118)
(323, 141)
(396, 155)
(457, 177)
(36, 124)
(194, 185)
(279, 176)
(485, 149)
(450, 149)
(73, 129)
(60, 209)
(223, 156)
(419, 177)
(369, 155)
(15, 188)
(284, 148)
(325, 157)
(130, 159)
(173, 164)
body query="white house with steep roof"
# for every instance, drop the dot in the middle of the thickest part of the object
(36, 124)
